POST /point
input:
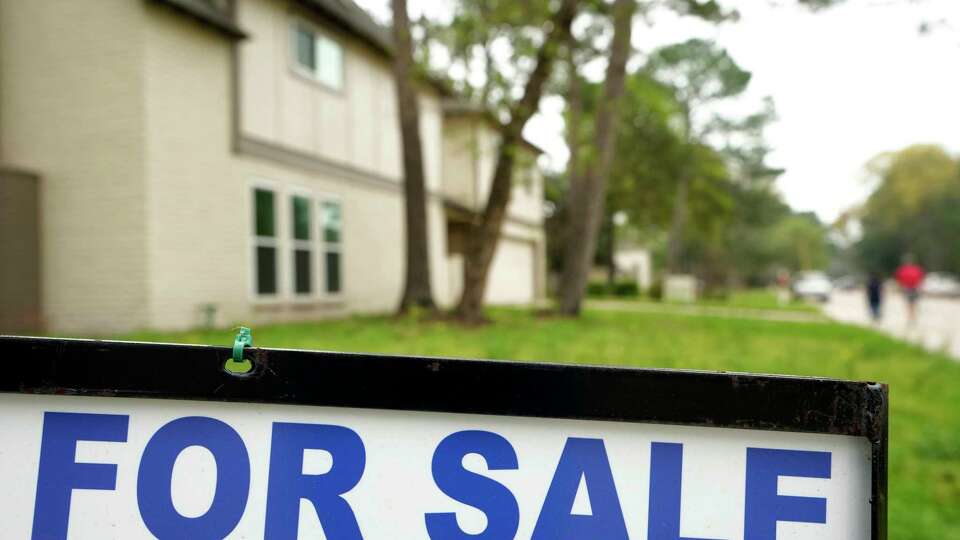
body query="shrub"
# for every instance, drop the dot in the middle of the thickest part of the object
(598, 289)
(655, 292)
(716, 293)
(626, 288)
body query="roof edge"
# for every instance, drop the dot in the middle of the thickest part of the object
(350, 18)
(207, 15)
(463, 108)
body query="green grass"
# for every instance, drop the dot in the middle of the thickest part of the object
(758, 299)
(925, 388)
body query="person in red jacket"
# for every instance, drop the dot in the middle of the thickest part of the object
(910, 276)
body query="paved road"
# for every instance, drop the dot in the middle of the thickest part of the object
(938, 319)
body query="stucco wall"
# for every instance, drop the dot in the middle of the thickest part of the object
(201, 205)
(526, 200)
(73, 112)
(471, 148)
(519, 269)
(460, 150)
(356, 126)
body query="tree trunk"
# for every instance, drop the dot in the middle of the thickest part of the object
(574, 194)
(678, 223)
(482, 240)
(611, 251)
(588, 192)
(416, 289)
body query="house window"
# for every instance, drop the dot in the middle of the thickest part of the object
(265, 242)
(302, 252)
(304, 49)
(317, 56)
(331, 236)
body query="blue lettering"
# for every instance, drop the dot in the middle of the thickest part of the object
(764, 508)
(288, 484)
(156, 474)
(489, 496)
(59, 473)
(587, 459)
(666, 474)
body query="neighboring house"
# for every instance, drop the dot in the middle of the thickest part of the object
(634, 264)
(470, 144)
(237, 160)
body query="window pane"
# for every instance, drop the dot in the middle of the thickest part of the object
(304, 51)
(266, 270)
(301, 218)
(263, 201)
(329, 62)
(302, 278)
(332, 222)
(333, 271)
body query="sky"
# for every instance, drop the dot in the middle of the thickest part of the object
(848, 83)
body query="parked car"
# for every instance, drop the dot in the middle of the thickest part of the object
(813, 285)
(846, 283)
(940, 284)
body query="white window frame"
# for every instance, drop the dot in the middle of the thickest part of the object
(309, 245)
(319, 36)
(325, 246)
(285, 245)
(296, 25)
(275, 242)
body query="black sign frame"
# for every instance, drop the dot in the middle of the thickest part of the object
(501, 388)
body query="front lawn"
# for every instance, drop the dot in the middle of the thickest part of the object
(759, 299)
(925, 388)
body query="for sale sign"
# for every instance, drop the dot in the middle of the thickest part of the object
(120, 440)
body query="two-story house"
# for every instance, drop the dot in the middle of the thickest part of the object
(216, 161)
(470, 146)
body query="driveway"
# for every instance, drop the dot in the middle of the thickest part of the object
(938, 319)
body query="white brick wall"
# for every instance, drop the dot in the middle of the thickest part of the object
(72, 110)
(197, 209)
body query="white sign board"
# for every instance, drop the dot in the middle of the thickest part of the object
(81, 467)
(104, 440)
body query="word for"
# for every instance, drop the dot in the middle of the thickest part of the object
(582, 460)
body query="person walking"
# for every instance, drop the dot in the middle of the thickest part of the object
(910, 277)
(875, 296)
(783, 287)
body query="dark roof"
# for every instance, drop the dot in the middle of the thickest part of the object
(343, 14)
(206, 13)
(459, 107)
(353, 19)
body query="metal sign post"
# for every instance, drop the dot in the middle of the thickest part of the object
(135, 440)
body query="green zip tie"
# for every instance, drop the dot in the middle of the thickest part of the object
(237, 364)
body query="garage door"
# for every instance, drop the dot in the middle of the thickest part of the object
(512, 274)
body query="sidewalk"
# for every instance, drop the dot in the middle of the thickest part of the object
(938, 319)
(937, 327)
